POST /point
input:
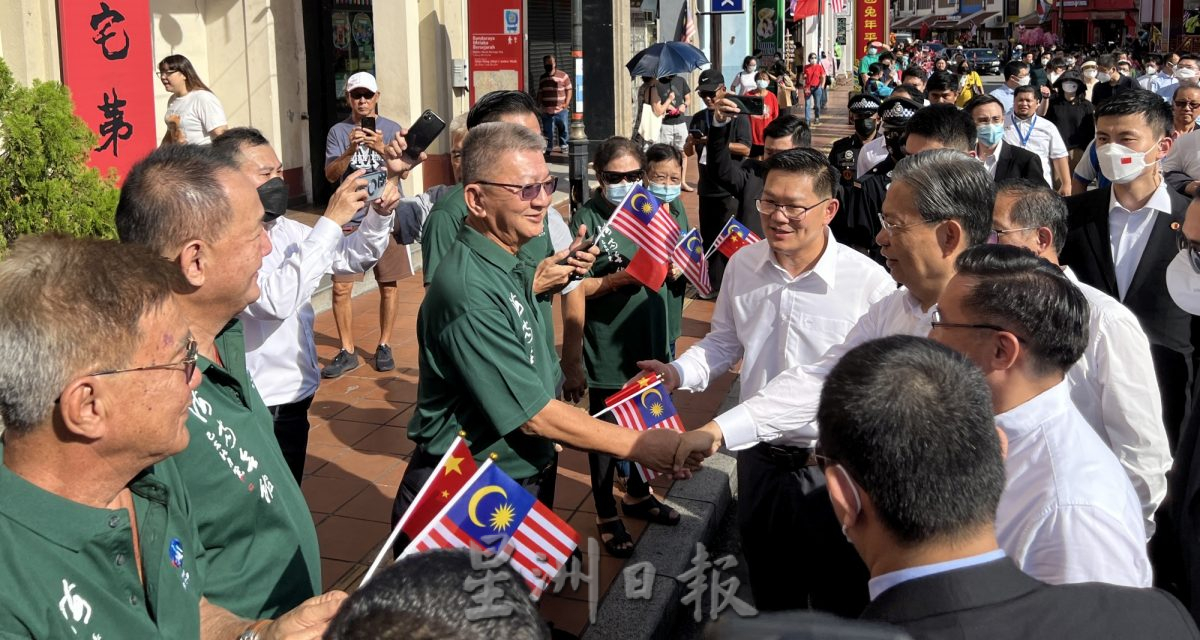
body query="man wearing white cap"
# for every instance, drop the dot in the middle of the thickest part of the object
(349, 147)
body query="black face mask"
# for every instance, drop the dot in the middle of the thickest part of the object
(274, 197)
(549, 67)
(864, 127)
(895, 145)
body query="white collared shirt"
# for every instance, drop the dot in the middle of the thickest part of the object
(1004, 94)
(1042, 140)
(1129, 231)
(1184, 155)
(879, 584)
(281, 356)
(787, 406)
(871, 154)
(990, 162)
(1068, 513)
(1115, 389)
(772, 321)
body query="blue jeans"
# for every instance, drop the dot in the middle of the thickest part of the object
(812, 104)
(548, 122)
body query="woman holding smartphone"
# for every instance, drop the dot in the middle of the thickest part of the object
(194, 114)
(626, 322)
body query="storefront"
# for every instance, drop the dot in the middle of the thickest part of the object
(1096, 21)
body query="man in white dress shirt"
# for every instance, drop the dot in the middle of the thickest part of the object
(939, 203)
(784, 303)
(1113, 385)
(1068, 512)
(281, 355)
(1023, 128)
(1016, 74)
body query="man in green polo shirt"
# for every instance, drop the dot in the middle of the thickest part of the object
(193, 207)
(97, 536)
(484, 370)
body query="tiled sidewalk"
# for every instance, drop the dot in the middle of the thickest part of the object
(358, 446)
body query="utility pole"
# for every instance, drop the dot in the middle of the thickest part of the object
(577, 162)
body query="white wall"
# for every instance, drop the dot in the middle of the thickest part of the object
(29, 39)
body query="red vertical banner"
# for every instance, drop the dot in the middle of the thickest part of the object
(497, 33)
(107, 65)
(870, 23)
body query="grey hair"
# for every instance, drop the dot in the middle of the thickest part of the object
(1036, 205)
(950, 185)
(458, 126)
(487, 143)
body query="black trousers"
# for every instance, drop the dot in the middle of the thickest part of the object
(291, 431)
(1174, 373)
(422, 465)
(795, 551)
(602, 465)
(713, 213)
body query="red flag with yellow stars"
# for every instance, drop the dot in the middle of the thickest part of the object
(451, 474)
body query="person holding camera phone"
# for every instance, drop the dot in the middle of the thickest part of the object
(359, 142)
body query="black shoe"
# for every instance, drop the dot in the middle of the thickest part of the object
(343, 362)
(383, 358)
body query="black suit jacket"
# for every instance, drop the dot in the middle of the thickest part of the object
(996, 601)
(1088, 252)
(1015, 162)
(744, 181)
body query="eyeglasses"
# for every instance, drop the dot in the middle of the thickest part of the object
(527, 192)
(996, 234)
(790, 211)
(893, 228)
(188, 364)
(1187, 104)
(707, 95)
(1193, 252)
(164, 74)
(938, 322)
(617, 177)
(362, 95)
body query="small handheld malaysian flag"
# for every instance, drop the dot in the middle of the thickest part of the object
(640, 406)
(649, 225)
(733, 237)
(690, 258)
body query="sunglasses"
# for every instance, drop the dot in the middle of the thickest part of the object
(1186, 104)
(526, 192)
(362, 95)
(617, 177)
(707, 95)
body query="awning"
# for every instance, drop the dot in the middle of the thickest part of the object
(1033, 20)
(975, 19)
(908, 23)
(944, 22)
(1093, 15)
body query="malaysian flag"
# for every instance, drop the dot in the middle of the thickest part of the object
(641, 405)
(649, 225)
(690, 258)
(495, 514)
(733, 237)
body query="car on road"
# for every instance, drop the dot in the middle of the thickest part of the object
(986, 61)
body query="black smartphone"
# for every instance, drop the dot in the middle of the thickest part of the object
(696, 133)
(368, 122)
(422, 133)
(583, 246)
(375, 181)
(749, 105)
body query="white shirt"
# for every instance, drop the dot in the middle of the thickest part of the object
(1167, 91)
(1129, 231)
(199, 113)
(744, 82)
(772, 321)
(1005, 95)
(1068, 513)
(787, 406)
(1115, 389)
(281, 356)
(871, 154)
(1043, 140)
(1184, 155)
(879, 584)
(990, 161)
(1157, 82)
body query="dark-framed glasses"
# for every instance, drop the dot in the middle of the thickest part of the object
(1187, 104)
(790, 211)
(617, 177)
(362, 94)
(526, 192)
(938, 322)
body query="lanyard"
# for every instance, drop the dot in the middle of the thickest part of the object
(1023, 138)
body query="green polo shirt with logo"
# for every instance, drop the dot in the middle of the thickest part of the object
(254, 523)
(630, 323)
(441, 232)
(484, 367)
(69, 570)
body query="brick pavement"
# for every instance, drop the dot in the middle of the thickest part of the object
(358, 447)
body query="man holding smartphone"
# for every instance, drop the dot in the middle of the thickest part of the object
(355, 143)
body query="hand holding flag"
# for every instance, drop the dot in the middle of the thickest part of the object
(641, 406)
(649, 226)
(690, 258)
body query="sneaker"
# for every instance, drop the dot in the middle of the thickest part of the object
(566, 149)
(383, 358)
(343, 362)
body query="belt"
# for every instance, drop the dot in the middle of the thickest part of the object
(790, 457)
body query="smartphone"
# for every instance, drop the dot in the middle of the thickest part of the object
(368, 122)
(583, 246)
(697, 133)
(750, 105)
(422, 133)
(375, 182)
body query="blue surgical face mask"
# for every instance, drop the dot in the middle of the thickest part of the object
(664, 192)
(762, 84)
(989, 134)
(615, 193)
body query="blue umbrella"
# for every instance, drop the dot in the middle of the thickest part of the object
(666, 59)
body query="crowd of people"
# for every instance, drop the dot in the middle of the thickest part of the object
(967, 373)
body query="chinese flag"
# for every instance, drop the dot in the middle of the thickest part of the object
(648, 270)
(805, 8)
(451, 474)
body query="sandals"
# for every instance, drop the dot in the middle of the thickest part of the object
(619, 543)
(651, 510)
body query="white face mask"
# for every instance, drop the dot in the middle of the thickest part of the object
(1183, 283)
(1089, 73)
(1070, 87)
(1103, 77)
(1120, 164)
(1151, 70)
(1070, 62)
(1021, 82)
(1185, 73)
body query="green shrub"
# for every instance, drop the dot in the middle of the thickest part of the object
(46, 181)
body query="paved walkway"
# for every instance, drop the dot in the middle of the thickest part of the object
(359, 449)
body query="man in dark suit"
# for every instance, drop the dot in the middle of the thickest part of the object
(1111, 82)
(1136, 218)
(915, 470)
(1003, 161)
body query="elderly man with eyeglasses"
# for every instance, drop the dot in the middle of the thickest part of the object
(785, 302)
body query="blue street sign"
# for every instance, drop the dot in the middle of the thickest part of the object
(728, 6)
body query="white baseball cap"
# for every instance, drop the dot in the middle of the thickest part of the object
(361, 80)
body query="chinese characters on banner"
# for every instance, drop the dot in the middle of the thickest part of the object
(870, 23)
(767, 23)
(107, 65)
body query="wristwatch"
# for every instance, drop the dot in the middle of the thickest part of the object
(252, 632)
